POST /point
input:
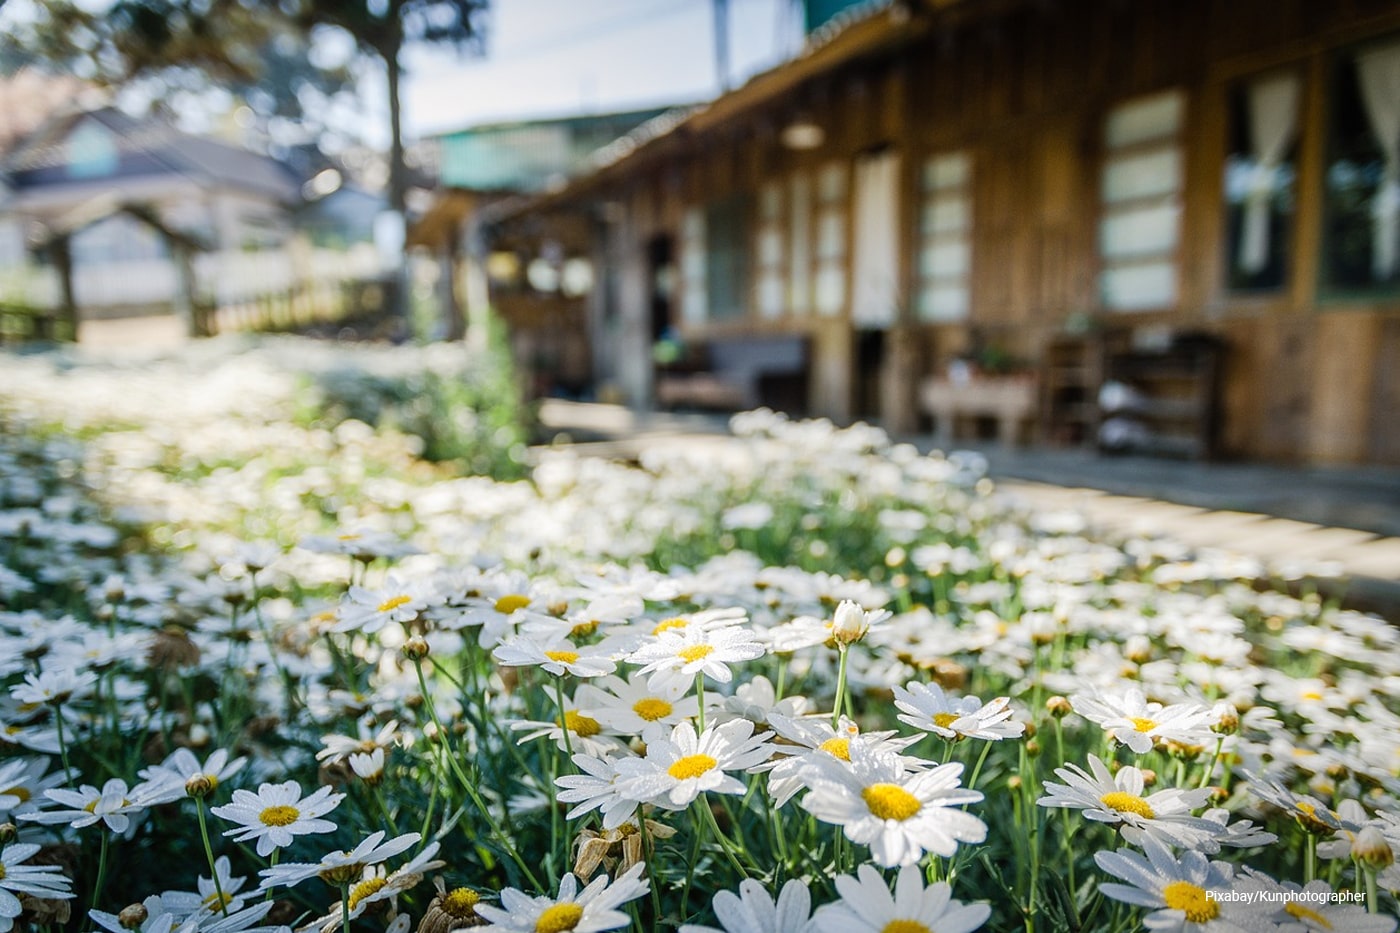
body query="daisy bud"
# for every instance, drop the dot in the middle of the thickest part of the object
(341, 874)
(849, 624)
(1138, 649)
(1058, 706)
(1030, 730)
(132, 917)
(1033, 748)
(201, 785)
(1218, 795)
(416, 648)
(895, 557)
(1371, 850)
(1227, 718)
(8, 832)
(1149, 777)
(1013, 782)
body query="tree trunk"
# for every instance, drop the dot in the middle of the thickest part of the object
(398, 179)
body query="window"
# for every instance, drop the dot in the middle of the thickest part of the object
(1362, 232)
(769, 252)
(726, 270)
(1260, 178)
(1141, 192)
(830, 290)
(945, 235)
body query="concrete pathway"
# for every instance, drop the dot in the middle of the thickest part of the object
(1346, 517)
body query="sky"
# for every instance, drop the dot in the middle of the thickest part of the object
(551, 58)
(559, 57)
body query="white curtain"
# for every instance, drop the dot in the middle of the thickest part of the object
(1379, 70)
(1273, 122)
(876, 246)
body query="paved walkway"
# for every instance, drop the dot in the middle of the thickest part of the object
(1349, 517)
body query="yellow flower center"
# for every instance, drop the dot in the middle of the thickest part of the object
(651, 709)
(837, 748)
(581, 725)
(2, 871)
(394, 602)
(1306, 808)
(363, 890)
(890, 802)
(1124, 802)
(461, 902)
(350, 537)
(583, 628)
(1312, 695)
(944, 720)
(563, 657)
(280, 815)
(665, 625)
(559, 918)
(695, 653)
(217, 901)
(1302, 913)
(1192, 900)
(511, 602)
(905, 926)
(1143, 725)
(691, 766)
(21, 793)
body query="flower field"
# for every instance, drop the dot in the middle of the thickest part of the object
(301, 638)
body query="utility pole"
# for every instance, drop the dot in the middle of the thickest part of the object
(721, 8)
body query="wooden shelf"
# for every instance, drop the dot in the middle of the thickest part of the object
(1172, 404)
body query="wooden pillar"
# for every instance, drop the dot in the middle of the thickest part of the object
(184, 298)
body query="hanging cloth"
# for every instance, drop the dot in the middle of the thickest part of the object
(1378, 69)
(1273, 124)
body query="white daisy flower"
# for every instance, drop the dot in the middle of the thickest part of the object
(210, 898)
(1307, 908)
(363, 544)
(678, 769)
(1180, 892)
(170, 777)
(927, 707)
(588, 911)
(810, 739)
(277, 813)
(1131, 720)
(340, 747)
(898, 815)
(371, 851)
(54, 686)
(1105, 797)
(683, 653)
(23, 783)
(376, 884)
(867, 906)
(558, 657)
(586, 734)
(1312, 814)
(597, 787)
(368, 611)
(112, 805)
(42, 881)
(632, 707)
(752, 910)
(757, 701)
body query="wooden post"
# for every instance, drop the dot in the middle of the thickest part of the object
(61, 252)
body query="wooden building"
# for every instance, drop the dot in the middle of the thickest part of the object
(1198, 199)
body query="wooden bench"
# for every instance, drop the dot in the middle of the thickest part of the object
(733, 374)
(1011, 400)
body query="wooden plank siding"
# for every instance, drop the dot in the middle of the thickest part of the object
(1024, 89)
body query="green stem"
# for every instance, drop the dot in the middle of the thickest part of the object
(1210, 771)
(981, 760)
(501, 839)
(649, 853)
(345, 908)
(101, 869)
(840, 689)
(1372, 898)
(700, 693)
(209, 854)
